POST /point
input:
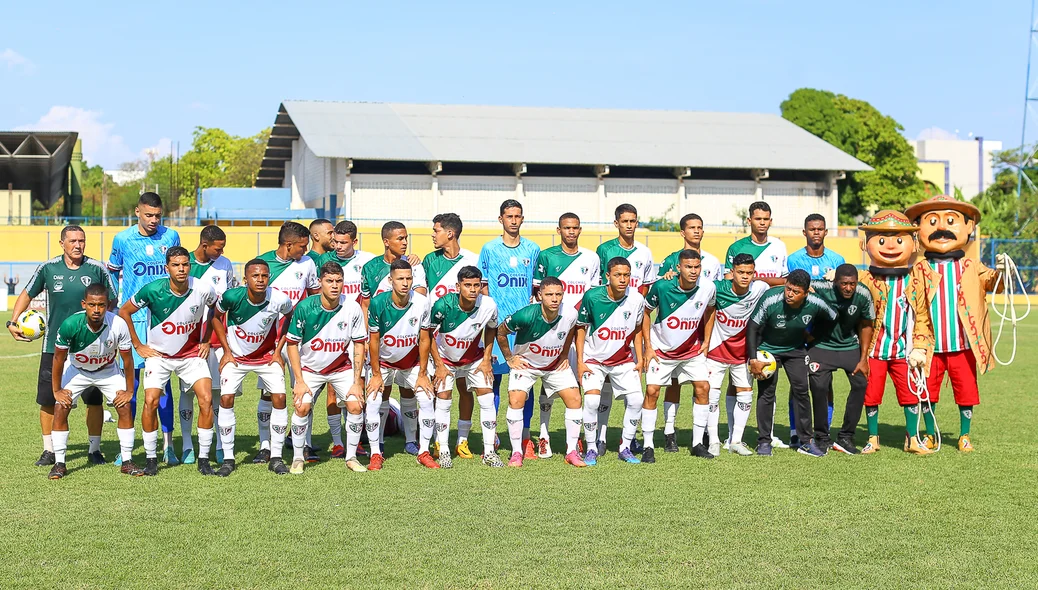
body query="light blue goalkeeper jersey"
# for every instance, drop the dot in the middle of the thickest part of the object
(508, 274)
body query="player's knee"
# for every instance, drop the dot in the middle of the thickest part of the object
(354, 407)
(635, 401)
(701, 397)
(744, 397)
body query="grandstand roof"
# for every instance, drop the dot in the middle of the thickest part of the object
(37, 161)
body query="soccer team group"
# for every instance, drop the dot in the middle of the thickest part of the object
(589, 325)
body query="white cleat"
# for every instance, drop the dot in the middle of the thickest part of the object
(740, 448)
(777, 443)
(726, 444)
(714, 449)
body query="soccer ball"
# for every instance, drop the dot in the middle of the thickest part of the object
(32, 324)
(769, 360)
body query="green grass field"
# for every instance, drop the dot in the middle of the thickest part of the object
(883, 521)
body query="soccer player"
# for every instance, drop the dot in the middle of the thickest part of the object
(375, 272)
(294, 274)
(65, 279)
(321, 239)
(320, 335)
(209, 265)
(543, 333)
(251, 344)
(779, 325)
(464, 325)
(507, 264)
(578, 270)
(609, 322)
(442, 265)
(395, 320)
(177, 345)
(84, 357)
(138, 257)
(845, 347)
(675, 351)
(735, 300)
(638, 256)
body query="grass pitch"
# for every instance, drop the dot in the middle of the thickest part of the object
(884, 521)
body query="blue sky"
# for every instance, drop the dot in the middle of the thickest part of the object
(135, 76)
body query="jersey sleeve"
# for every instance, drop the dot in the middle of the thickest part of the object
(515, 322)
(358, 328)
(142, 297)
(602, 262)
(665, 266)
(652, 298)
(538, 271)
(649, 274)
(584, 314)
(867, 309)
(295, 327)
(122, 339)
(38, 281)
(115, 257)
(65, 334)
(419, 278)
(728, 256)
(312, 282)
(373, 318)
(785, 260)
(596, 271)
(436, 315)
(492, 320)
(368, 284)
(760, 312)
(224, 303)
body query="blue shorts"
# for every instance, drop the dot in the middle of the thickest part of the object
(142, 332)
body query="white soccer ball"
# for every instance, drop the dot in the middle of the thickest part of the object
(770, 365)
(32, 324)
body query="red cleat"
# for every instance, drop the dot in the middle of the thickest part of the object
(375, 464)
(338, 452)
(361, 451)
(573, 458)
(426, 460)
(529, 450)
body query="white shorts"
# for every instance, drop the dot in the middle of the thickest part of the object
(402, 378)
(109, 380)
(474, 378)
(662, 372)
(213, 361)
(271, 378)
(158, 370)
(340, 381)
(738, 374)
(552, 381)
(624, 378)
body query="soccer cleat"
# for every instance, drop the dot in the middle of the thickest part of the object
(700, 451)
(914, 447)
(58, 471)
(129, 468)
(764, 449)
(580, 446)
(777, 443)
(169, 457)
(811, 449)
(151, 466)
(670, 443)
(591, 457)
(740, 448)
(543, 448)
(601, 448)
(628, 457)
(310, 454)
(219, 456)
(338, 452)
(649, 455)
(263, 456)
(445, 460)
(47, 458)
(714, 448)
(516, 460)
(375, 464)
(573, 458)
(355, 466)
(846, 446)
(497, 442)
(529, 451)
(118, 460)
(726, 444)
(436, 448)
(930, 442)
(411, 448)
(188, 457)
(96, 458)
(426, 460)
(462, 450)
(794, 442)
(226, 468)
(204, 467)
(872, 446)
(277, 465)
(965, 445)
(361, 452)
(493, 460)
(637, 447)
(298, 465)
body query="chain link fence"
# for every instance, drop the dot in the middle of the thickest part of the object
(1023, 252)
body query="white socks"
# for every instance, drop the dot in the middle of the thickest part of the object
(151, 443)
(700, 417)
(227, 424)
(488, 420)
(205, 442)
(591, 404)
(299, 436)
(426, 421)
(310, 428)
(383, 418)
(632, 416)
(443, 423)
(335, 429)
(263, 413)
(125, 442)
(373, 423)
(514, 417)
(545, 404)
(670, 416)
(48, 443)
(742, 414)
(186, 411)
(573, 423)
(354, 426)
(409, 409)
(649, 426)
(276, 433)
(60, 440)
(95, 444)
(713, 416)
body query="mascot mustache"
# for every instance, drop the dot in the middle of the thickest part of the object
(943, 234)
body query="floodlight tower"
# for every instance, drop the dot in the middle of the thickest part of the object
(1030, 98)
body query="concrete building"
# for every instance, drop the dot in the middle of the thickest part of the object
(371, 162)
(965, 164)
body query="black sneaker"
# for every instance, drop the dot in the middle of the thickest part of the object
(47, 458)
(811, 449)
(96, 458)
(277, 465)
(310, 455)
(636, 447)
(700, 451)
(151, 466)
(58, 471)
(226, 468)
(204, 467)
(129, 468)
(671, 443)
(764, 449)
(845, 445)
(649, 455)
(263, 456)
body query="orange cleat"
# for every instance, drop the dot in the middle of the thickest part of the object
(529, 449)
(375, 464)
(338, 452)
(426, 460)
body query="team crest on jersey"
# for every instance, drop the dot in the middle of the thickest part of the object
(163, 249)
(638, 264)
(412, 321)
(216, 279)
(526, 262)
(780, 324)
(774, 258)
(627, 315)
(341, 325)
(356, 268)
(109, 343)
(266, 320)
(807, 318)
(814, 367)
(194, 309)
(85, 280)
(299, 275)
(583, 270)
(562, 335)
(59, 287)
(852, 309)
(698, 305)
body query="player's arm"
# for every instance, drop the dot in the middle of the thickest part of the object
(640, 363)
(424, 346)
(514, 361)
(123, 397)
(771, 281)
(486, 366)
(375, 382)
(357, 389)
(922, 332)
(753, 340)
(578, 342)
(709, 316)
(126, 313)
(220, 329)
(646, 331)
(864, 341)
(20, 305)
(62, 397)
(300, 388)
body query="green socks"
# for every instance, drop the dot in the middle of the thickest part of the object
(928, 410)
(912, 420)
(872, 418)
(965, 417)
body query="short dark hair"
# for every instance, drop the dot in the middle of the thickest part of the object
(846, 270)
(687, 254)
(330, 268)
(346, 228)
(256, 262)
(391, 226)
(69, 228)
(799, 278)
(624, 208)
(689, 217)
(510, 204)
(451, 222)
(617, 261)
(399, 264)
(743, 258)
(176, 252)
(321, 221)
(292, 231)
(552, 282)
(95, 289)
(814, 217)
(212, 233)
(758, 206)
(150, 200)
(568, 215)
(469, 272)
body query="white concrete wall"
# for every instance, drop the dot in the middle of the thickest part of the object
(962, 156)
(382, 198)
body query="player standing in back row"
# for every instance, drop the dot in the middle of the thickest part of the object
(441, 266)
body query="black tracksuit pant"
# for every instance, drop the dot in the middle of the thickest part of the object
(821, 365)
(795, 365)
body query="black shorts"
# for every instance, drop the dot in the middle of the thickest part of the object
(44, 387)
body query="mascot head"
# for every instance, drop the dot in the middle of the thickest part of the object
(945, 224)
(888, 239)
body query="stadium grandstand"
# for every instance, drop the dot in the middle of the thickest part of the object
(40, 166)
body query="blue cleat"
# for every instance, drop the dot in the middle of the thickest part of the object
(118, 460)
(591, 457)
(219, 457)
(411, 448)
(627, 457)
(636, 447)
(169, 457)
(189, 457)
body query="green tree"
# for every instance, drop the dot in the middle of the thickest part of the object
(1003, 213)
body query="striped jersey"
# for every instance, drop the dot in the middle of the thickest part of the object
(851, 312)
(441, 273)
(175, 326)
(728, 339)
(252, 329)
(892, 337)
(578, 272)
(769, 258)
(948, 332)
(352, 268)
(325, 336)
(611, 325)
(677, 331)
(540, 342)
(374, 277)
(65, 289)
(783, 327)
(398, 328)
(219, 273)
(138, 260)
(291, 277)
(711, 266)
(642, 269)
(89, 350)
(459, 333)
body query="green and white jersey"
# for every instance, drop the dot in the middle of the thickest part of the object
(65, 288)
(540, 342)
(398, 328)
(459, 333)
(252, 329)
(291, 277)
(728, 339)
(219, 273)
(677, 331)
(642, 270)
(89, 350)
(441, 273)
(175, 321)
(325, 335)
(711, 267)
(611, 325)
(769, 257)
(352, 269)
(784, 328)
(851, 312)
(578, 272)
(374, 277)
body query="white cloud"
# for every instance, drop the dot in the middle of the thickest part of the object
(936, 133)
(160, 149)
(15, 61)
(100, 144)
